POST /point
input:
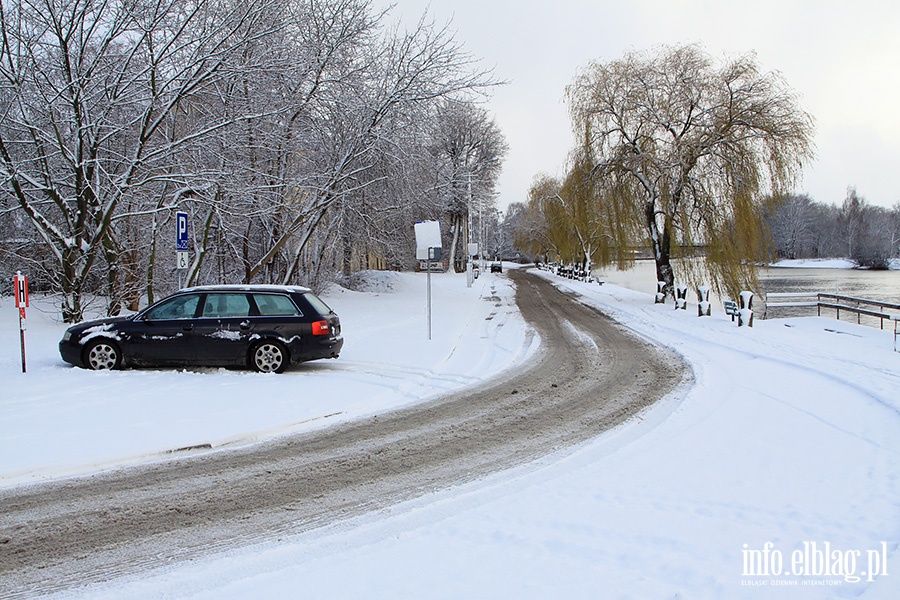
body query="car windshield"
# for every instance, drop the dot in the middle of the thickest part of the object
(181, 307)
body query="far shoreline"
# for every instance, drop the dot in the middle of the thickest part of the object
(826, 263)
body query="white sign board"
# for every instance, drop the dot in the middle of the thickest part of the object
(428, 235)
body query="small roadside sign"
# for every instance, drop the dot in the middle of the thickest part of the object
(428, 248)
(20, 283)
(182, 245)
(20, 287)
(181, 232)
(428, 235)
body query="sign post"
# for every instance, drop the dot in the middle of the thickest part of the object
(428, 248)
(472, 252)
(20, 285)
(434, 254)
(182, 259)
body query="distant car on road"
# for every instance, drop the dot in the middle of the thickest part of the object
(258, 326)
(496, 267)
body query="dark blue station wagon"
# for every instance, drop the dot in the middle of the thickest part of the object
(261, 326)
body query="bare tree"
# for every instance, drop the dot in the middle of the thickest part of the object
(867, 231)
(398, 74)
(295, 134)
(793, 225)
(468, 148)
(696, 147)
(94, 98)
(826, 235)
(894, 230)
(853, 222)
(803, 228)
(514, 218)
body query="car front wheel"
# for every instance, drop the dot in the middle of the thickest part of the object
(269, 357)
(102, 354)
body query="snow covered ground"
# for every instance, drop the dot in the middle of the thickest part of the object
(57, 421)
(776, 475)
(815, 263)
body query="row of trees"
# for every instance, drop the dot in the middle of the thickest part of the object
(676, 152)
(305, 138)
(803, 228)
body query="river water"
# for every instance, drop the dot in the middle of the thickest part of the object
(874, 285)
(883, 286)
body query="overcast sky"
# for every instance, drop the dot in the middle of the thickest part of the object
(843, 58)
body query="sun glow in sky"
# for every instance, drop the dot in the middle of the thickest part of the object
(842, 58)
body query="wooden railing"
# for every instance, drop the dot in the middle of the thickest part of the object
(837, 302)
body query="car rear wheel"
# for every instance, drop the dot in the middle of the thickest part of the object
(102, 354)
(269, 357)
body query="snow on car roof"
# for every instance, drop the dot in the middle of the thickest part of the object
(247, 287)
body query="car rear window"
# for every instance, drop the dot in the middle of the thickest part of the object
(272, 305)
(317, 304)
(226, 305)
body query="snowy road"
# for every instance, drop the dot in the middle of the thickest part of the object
(589, 375)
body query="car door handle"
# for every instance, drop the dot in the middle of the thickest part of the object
(188, 327)
(245, 325)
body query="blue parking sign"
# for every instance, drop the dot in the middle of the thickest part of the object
(181, 231)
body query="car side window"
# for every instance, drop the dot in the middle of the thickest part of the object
(271, 305)
(226, 305)
(182, 307)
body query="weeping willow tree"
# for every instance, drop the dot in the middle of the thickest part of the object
(691, 150)
(574, 220)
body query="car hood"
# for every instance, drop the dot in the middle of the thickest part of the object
(99, 323)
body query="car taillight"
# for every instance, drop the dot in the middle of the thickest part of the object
(321, 328)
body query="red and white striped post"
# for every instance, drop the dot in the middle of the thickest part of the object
(20, 288)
